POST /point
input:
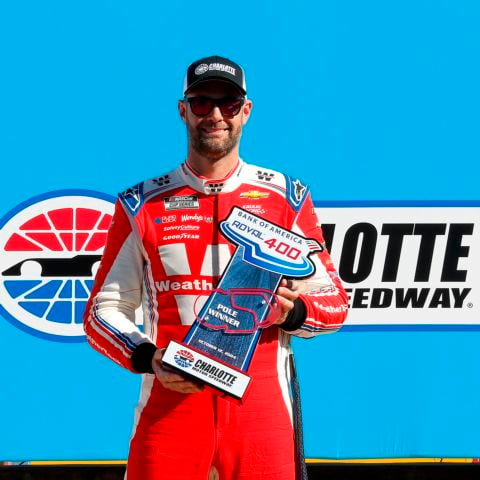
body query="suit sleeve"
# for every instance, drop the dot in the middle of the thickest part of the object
(109, 319)
(322, 308)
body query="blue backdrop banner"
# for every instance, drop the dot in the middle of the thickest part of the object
(374, 104)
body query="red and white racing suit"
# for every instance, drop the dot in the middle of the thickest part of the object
(164, 249)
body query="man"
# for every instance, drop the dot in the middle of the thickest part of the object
(164, 247)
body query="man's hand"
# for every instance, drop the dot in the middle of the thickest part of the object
(287, 293)
(170, 379)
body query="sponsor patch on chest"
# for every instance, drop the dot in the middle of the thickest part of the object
(180, 202)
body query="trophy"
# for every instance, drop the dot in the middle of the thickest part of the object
(220, 343)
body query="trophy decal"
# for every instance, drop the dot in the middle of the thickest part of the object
(219, 345)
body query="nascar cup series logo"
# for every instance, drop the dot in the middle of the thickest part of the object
(50, 249)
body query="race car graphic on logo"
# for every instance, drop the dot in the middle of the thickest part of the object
(51, 248)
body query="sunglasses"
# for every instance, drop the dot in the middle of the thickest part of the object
(201, 106)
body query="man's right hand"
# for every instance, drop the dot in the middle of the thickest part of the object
(170, 379)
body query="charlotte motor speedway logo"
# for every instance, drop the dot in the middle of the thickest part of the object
(184, 358)
(51, 247)
(407, 265)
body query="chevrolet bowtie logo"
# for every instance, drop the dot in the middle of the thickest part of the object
(254, 194)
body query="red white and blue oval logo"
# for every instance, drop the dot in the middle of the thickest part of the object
(50, 249)
(184, 358)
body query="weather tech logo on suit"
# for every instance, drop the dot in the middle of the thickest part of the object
(196, 285)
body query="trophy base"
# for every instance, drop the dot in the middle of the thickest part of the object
(207, 369)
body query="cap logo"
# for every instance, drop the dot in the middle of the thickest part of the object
(201, 69)
(222, 68)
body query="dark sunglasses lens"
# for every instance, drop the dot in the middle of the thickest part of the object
(230, 106)
(200, 105)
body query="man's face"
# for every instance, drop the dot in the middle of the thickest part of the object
(215, 134)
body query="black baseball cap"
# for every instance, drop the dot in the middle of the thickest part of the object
(214, 68)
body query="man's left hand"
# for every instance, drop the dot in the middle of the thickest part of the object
(287, 293)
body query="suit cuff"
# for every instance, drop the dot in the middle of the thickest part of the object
(296, 317)
(141, 359)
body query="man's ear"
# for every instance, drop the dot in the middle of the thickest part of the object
(182, 110)
(246, 109)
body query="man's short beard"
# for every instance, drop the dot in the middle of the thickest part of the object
(210, 147)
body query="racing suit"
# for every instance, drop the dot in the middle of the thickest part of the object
(164, 250)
